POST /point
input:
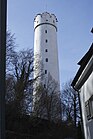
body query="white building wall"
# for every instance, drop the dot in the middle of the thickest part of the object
(42, 23)
(85, 93)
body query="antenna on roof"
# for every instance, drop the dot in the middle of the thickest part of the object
(46, 5)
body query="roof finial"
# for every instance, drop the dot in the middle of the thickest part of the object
(46, 5)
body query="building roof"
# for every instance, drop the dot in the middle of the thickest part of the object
(83, 62)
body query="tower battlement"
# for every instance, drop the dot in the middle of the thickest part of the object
(45, 18)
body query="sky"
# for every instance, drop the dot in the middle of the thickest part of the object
(75, 21)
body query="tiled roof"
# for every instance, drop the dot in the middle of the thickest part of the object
(83, 62)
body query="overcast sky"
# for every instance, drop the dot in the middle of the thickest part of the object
(75, 20)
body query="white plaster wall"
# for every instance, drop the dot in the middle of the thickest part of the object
(88, 87)
(40, 44)
(85, 93)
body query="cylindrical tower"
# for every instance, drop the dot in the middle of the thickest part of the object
(45, 44)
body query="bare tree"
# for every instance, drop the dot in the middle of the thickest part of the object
(70, 103)
(22, 64)
(19, 77)
(10, 46)
(47, 103)
(10, 92)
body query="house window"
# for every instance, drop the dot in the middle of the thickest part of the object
(89, 108)
(45, 31)
(46, 50)
(46, 59)
(45, 71)
(88, 113)
(46, 40)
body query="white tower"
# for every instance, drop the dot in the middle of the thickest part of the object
(45, 44)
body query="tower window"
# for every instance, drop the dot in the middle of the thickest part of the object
(53, 21)
(46, 40)
(45, 71)
(44, 86)
(46, 50)
(45, 31)
(46, 20)
(46, 59)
